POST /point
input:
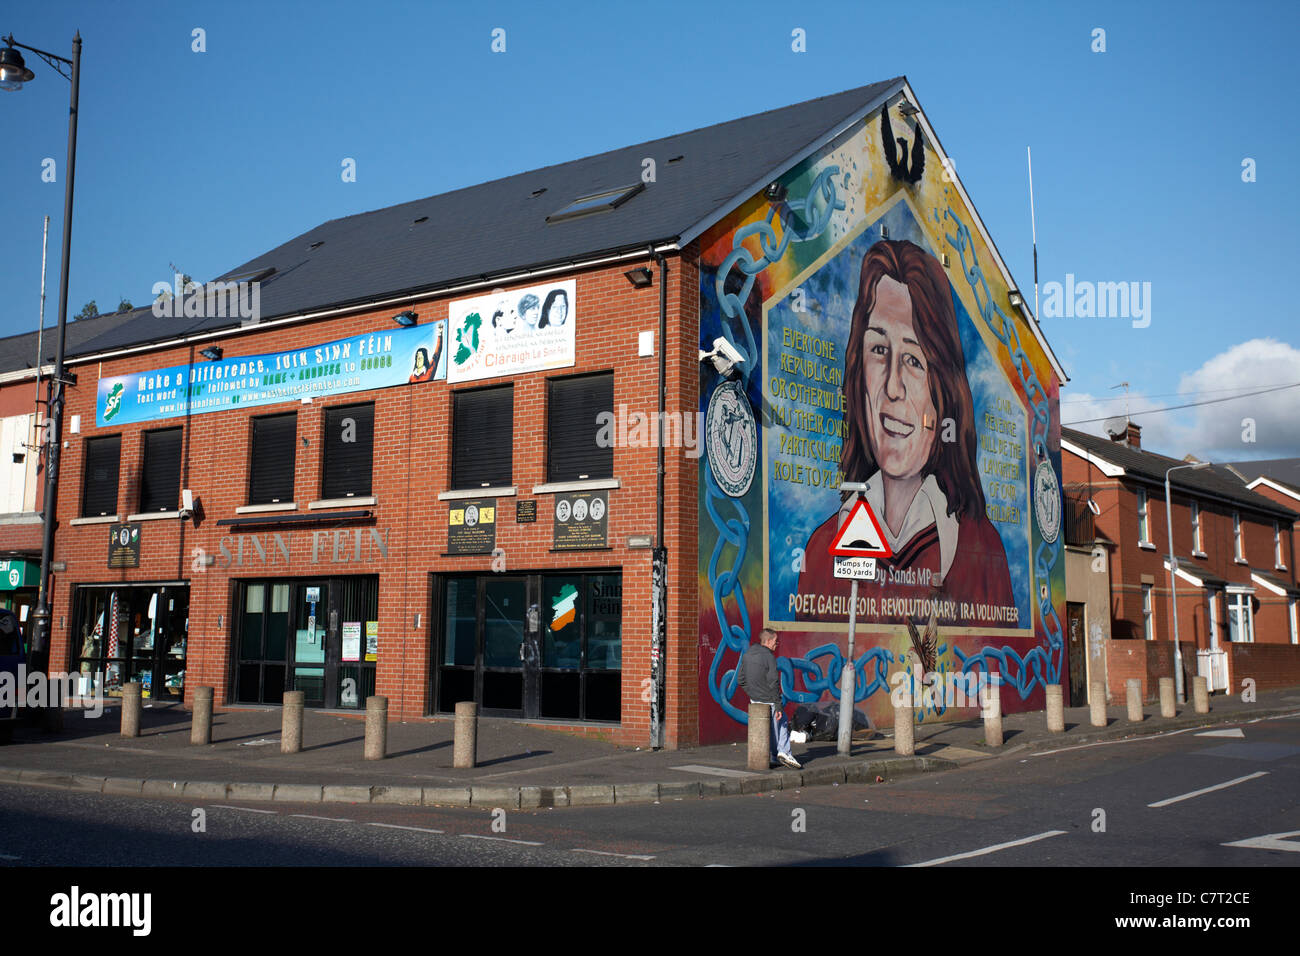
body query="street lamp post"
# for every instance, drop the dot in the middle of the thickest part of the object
(13, 74)
(1173, 577)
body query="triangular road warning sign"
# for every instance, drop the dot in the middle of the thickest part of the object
(860, 536)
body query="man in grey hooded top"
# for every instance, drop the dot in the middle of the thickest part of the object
(759, 678)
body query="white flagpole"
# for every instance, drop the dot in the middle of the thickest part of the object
(1033, 228)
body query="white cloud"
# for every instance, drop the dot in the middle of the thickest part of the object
(1164, 433)
(1218, 431)
(1222, 430)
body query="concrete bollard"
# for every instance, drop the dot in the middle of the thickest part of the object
(905, 725)
(759, 756)
(376, 728)
(1055, 709)
(465, 748)
(1167, 708)
(1097, 703)
(1133, 696)
(1201, 694)
(992, 715)
(201, 720)
(131, 709)
(291, 724)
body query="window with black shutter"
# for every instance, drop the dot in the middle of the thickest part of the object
(349, 450)
(99, 483)
(270, 474)
(573, 424)
(482, 437)
(160, 479)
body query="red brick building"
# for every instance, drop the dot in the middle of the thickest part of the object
(1236, 567)
(413, 452)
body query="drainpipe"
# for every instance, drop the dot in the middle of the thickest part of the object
(659, 562)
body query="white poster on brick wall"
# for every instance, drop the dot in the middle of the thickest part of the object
(505, 333)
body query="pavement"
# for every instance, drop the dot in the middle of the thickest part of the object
(518, 765)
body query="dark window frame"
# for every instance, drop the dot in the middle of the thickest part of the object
(594, 470)
(502, 446)
(100, 441)
(254, 459)
(339, 489)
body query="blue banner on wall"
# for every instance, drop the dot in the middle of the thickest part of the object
(402, 356)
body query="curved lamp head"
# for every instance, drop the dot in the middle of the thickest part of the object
(13, 71)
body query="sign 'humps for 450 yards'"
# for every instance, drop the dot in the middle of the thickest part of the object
(397, 357)
(504, 333)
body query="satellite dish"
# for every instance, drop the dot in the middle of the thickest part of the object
(1115, 427)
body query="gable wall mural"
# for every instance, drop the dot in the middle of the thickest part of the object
(869, 360)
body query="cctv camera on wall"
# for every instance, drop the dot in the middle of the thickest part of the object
(724, 356)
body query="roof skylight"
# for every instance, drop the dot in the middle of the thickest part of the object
(597, 202)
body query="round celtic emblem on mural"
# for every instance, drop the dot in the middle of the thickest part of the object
(732, 439)
(1047, 501)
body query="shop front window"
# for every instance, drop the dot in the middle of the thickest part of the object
(534, 645)
(132, 633)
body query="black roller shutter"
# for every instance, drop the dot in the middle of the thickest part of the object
(160, 480)
(99, 488)
(348, 462)
(271, 471)
(573, 422)
(483, 437)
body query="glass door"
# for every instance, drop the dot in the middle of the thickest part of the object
(171, 619)
(263, 643)
(312, 632)
(504, 613)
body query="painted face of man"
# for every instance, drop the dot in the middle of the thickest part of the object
(532, 314)
(900, 412)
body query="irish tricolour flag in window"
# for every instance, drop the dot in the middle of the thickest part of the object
(564, 608)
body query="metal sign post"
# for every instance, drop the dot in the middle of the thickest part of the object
(854, 550)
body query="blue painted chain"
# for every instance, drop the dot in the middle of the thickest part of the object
(816, 209)
(1027, 671)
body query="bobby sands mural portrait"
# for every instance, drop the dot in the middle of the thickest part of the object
(909, 432)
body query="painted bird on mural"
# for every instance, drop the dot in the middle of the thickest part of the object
(896, 151)
(926, 647)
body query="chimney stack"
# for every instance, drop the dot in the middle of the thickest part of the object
(1133, 435)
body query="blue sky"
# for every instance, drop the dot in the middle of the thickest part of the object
(208, 159)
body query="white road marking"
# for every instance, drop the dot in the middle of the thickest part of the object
(477, 836)
(6, 856)
(1232, 732)
(1269, 841)
(222, 806)
(394, 826)
(990, 849)
(715, 771)
(1217, 786)
(309, 816)
(1102, 743)
(625, 856)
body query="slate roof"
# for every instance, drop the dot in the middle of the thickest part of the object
(1280, 583)
(500, 227)
(19, 351)
(1146, 464)
(1281, 471)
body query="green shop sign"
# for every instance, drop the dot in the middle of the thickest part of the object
(19, 573)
